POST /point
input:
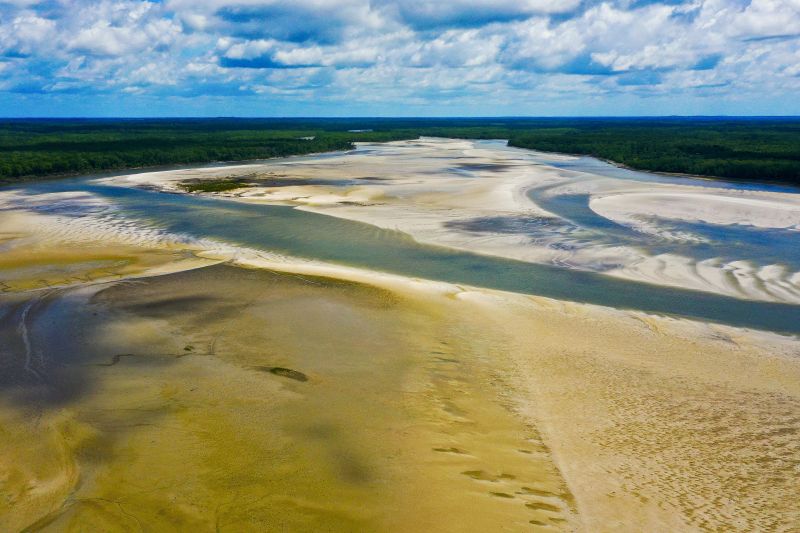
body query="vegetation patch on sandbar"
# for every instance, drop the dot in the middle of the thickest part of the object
(217, 185)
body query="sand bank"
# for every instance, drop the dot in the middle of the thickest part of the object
(773, 211)
(477, 197)
(647, 431)
(48, 248)
(501, 411)
(633, 408)
(168, 394)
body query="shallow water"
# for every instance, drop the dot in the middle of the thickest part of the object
(309, 235)
(760, 246)
(246, 400)
(699, 240)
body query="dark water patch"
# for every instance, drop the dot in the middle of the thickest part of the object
(451, 449)
(35, 356)
(513, 225)
(479, 475)
(471, 170)
(115, 359)
(575, 208)
(483, 167)
(166, 306)
(537, 492)
(542, 506)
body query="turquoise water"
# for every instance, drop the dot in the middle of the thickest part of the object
(298, 233)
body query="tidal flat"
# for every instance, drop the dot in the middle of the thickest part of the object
(168, 363)
(246, 399)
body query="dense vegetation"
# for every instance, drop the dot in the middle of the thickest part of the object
(746, 150)
(742, 148)
(61, 147)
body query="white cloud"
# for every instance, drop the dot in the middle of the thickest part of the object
(402, 50)
(124, 28)
(765, 18)
(26, 33)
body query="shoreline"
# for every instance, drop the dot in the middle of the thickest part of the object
(437, 206)
(27, 180)
(526, 332)
(603, 394)
(795, 188)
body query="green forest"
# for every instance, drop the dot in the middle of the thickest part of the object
(753, 149)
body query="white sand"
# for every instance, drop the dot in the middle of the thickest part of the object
(433, 189)
(765, 210)
(648, 433)
(656, 424)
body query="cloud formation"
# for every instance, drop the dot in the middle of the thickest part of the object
(403, 56)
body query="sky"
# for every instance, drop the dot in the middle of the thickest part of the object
(399, 57)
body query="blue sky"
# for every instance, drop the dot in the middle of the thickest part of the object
(399, 57)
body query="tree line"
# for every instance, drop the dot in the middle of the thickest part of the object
(766, 149)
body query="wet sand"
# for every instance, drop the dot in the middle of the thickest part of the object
(155, 382)
(175, 401)
(162, 408)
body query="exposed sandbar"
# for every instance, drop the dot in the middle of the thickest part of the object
(463, 195)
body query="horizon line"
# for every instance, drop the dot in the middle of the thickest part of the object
(390, 117)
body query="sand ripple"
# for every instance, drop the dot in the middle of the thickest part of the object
(477, 196)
